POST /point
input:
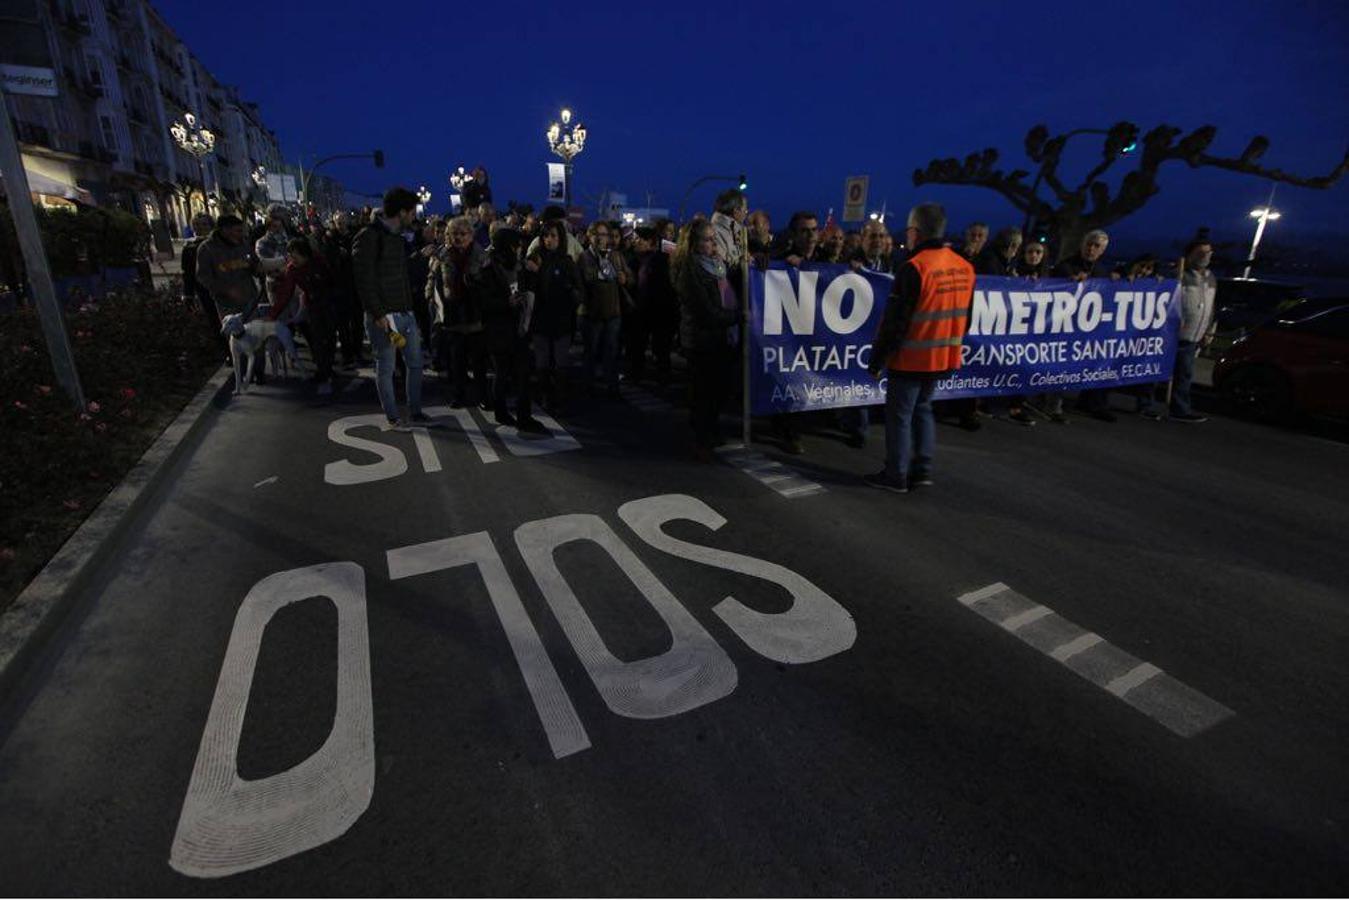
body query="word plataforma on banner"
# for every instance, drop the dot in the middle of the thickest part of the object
(855, 198)
(811, 331)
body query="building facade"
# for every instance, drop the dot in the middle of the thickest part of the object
(124, 78)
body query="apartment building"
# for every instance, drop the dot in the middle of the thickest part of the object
(124, 78)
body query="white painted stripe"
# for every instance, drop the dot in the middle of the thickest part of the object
(1077, 645)
(426, 449)
(566, 734)
(470, 427)
(1131, 679)
(798, 491)
(773, 479)
(1022, 619)
(273, 480)
(983, 593)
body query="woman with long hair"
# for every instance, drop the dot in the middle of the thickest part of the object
(708, 316)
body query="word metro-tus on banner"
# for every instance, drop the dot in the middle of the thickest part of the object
(811, 330)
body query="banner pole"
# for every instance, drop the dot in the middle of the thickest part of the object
(744, 340)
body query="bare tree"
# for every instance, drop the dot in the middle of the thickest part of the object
(1073, 211)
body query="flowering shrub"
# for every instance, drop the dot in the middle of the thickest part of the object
(141, 356)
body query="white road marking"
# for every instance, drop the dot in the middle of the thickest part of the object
(426, 449)
(469, 425)
(1140, 684)
(559, 442)
(695, 670)
(786, 481)
(1133, 678)
(273, 480)
(816, 626)
(566, 734)
(230, 825)
(1020, 620)
(1065, 652)
(392, 462)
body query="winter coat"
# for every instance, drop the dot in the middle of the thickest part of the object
(702, 319)
(457, 308)
(494, 285)
(730, 235)
(227, 271)
(604, 299)
(557, 295)
(314, 283)
(1198, 303)
(378, 257)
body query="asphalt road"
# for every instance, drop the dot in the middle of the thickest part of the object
(562, 701)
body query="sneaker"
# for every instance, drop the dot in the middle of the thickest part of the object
(1021, 417)
(394, 425)
(485, 404)
(886, 483)
(325, 389)
(921, 479)
(1190, 418)
(532, 425)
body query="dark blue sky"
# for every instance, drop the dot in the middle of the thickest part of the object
(796, 95)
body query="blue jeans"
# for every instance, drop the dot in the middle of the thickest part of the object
(910, 430)
(384, 363)
(602, 348)
(1186, 351)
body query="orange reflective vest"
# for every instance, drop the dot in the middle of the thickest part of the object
(937, 326)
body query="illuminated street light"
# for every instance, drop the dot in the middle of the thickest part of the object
(1265, 214)
(423, 198)
(197, 141)
(566, 141)
(459, 178)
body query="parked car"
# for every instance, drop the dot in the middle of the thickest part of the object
(1297, 362)
(1244, 303)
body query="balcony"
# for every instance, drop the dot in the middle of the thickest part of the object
(33, 133)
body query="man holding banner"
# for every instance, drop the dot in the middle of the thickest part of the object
(918, 342)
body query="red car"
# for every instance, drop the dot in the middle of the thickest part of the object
(1295, 363)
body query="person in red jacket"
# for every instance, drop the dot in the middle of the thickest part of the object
(918, 343)
(307, 275)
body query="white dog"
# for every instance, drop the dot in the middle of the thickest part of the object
(246, 337)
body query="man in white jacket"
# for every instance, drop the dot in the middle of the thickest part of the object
(1198, 306)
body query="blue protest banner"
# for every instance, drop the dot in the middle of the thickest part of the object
(811, 330)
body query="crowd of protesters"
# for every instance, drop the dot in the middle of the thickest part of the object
(492, 305)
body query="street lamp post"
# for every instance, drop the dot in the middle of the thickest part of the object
(259, 176)
(566, 141)
(1265, 214)
(199, 142)
(423, 198)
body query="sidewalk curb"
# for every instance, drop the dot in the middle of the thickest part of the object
(37, 612)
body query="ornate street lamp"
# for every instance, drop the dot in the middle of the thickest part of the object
(1265, 214)
(196, 140)
(423, 198)
(566, 141)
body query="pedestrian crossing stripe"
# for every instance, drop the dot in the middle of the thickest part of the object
(769, 472)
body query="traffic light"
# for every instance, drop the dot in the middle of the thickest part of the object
(744, 184)
(379, 159)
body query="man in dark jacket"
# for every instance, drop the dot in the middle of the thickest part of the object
(380, 266)
(802, 240)
(557, 295)
(1088, 262)
(194, 292)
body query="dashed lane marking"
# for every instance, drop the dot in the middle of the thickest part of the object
(769, 472)
(273, 480)
(1142, 685)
